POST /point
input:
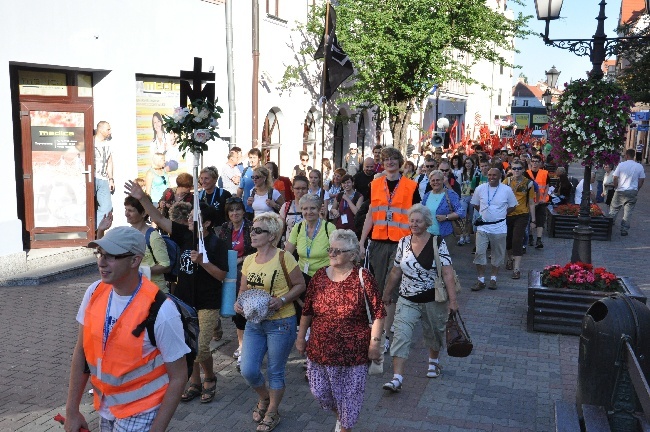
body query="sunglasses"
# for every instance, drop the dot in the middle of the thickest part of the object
(429, 166)
(234, 200)
(258, 230)
(517, 168)
(337, 252)
(305, 160)
(110, 257)
(444, 170)
(257, 177)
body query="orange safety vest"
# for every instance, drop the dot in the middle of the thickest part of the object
(398, 226)
(129, 382)
(542, 182)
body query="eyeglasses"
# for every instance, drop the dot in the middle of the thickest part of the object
(110, 257)
(258, 230)
(444, 170)
(234, 200)
(257, 177)
(429, 166)
(337, 252)
(517, 168)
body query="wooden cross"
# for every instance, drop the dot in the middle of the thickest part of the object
(194, 91)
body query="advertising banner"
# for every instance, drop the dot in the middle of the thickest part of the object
(522, 120)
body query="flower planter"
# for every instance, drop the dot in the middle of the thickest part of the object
(561, 226)
(559, 310)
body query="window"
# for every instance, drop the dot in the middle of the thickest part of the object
(525, 103)
(514, 102)
(273, 7)
(499, 97)
(501, 69)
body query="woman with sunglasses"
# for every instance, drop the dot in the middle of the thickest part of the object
(263, 197)
(303, 168)
(341, 344)
(517, 220)
(156, 180)
(199, 284)
(290, 211)
(237, 235)
(274, 336)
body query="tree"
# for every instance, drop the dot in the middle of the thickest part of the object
(634, 76)
(400, 50)
(524, 77)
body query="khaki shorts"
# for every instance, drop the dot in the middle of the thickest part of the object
(207, 322)
(497, 247)
(433, 316)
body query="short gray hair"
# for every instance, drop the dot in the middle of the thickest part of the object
(349, 238)
(424, 211)
(311, 199)
(436, 172)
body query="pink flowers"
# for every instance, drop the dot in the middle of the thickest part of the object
(579, 276)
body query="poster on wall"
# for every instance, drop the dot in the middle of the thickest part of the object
(157, 150)
(58, 168)
(522, 120)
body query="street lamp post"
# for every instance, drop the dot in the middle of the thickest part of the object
(597, 48)
(551, 81)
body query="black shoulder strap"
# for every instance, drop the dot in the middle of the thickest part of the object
(327, 232)
(150, 320)
(299, 227)
(270, 193)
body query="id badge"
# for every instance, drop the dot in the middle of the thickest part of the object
(305, 269)
(389, 216)
(344, 218)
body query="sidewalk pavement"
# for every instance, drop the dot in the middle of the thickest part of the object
(509, 383)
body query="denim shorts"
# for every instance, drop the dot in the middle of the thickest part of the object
(273, 338)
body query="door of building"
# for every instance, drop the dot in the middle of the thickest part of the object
(55, 119)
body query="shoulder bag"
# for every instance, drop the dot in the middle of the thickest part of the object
(458, 224)
(441, 290)
(459, 344)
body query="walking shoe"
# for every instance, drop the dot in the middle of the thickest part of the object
(474, 251)
(539, 245)
(239, 364)
(386, 346)
(237, 352)
(531, 241)
(393, 385)
(434, 370)
(524, 250)
(493, 284)
(337, 427)
(479, 286)
(516, 274)
(509, 264)
(461, 241)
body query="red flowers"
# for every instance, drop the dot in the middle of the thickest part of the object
(579, 276)
(574, 210)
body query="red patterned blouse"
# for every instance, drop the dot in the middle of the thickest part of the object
(340, 335)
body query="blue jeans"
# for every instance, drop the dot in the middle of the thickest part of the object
(275, 337)
(103, 197)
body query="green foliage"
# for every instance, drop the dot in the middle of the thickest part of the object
(400, 50)
(634, 77)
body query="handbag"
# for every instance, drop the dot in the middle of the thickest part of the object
(441, 290)
(459, 344)
(375, 368)
(458, 224)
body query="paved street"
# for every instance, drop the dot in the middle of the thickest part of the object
(509, 383)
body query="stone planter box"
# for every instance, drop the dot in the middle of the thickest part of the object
(561, 226)
(559, 310)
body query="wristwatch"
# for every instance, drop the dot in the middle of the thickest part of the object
(446, 217)
(284, 300)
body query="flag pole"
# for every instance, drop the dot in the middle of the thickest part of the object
(322, 88)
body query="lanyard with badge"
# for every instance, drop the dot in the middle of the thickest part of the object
(235, 242)
(389, 212)
(309, 243)
(107, 324)
(344, 216)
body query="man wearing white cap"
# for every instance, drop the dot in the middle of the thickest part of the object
(137, 386)
(352, 160)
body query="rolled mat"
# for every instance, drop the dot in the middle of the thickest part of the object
(229, 288)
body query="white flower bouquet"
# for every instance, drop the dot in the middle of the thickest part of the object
(194, 126)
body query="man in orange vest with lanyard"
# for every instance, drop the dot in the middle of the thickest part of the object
(391, 196)
(136, 385)
(540, 176)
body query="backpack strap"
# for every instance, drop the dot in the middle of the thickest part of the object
(147, 237)
(327, 233)
(299, 227)
(150, 320)
(284, 270)
(425, 198)
(270, 193)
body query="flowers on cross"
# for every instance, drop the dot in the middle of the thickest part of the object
(590, 122)
(194, 126)
(580, 276)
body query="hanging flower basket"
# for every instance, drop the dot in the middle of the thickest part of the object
(194, 126)
(589, 123)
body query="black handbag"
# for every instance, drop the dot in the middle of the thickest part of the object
(459, 344)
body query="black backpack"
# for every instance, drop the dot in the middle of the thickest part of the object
(189, 318)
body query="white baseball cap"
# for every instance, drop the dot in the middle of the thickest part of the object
(353, 145)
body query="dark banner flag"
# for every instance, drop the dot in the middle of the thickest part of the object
(338, 66)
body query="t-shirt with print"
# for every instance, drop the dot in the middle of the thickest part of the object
(419, 273)
(195, 285)
(493, 205)
(168, 329)
(102, 154)
(270, 278)
(523, 190)
(318, 257)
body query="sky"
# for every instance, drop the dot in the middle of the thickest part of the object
(577, 21)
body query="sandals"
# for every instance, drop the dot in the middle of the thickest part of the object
(192, 392)
(270, 421)
(259, 413)
(393, 385)
(207, 394)
(434, 370)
